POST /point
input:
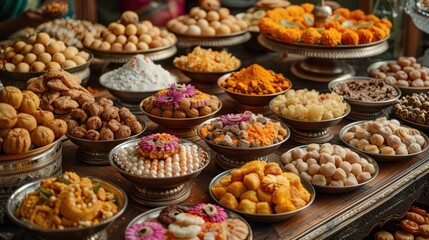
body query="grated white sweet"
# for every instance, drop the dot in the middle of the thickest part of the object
(140, 74)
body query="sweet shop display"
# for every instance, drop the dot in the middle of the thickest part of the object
(414, 110)
(202, 221)
(330, 168)
(199, 140)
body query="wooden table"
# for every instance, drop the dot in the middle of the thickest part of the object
(331, 216)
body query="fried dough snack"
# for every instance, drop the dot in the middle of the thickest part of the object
(68, 201)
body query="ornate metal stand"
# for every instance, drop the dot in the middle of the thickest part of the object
(102, 235)
(324, 63)
(311, 136)
(133, 107)
(123, 57)
(92, 156)
(419, 14)
(228, 162)
(156, 197)
(187, 41)
(264, 110)
(185, 133)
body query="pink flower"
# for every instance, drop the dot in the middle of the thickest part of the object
(171, 97)
(234, 119)
(186, 89)
(145, 231)
(209, 212)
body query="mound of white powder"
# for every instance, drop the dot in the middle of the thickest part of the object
(140, 74)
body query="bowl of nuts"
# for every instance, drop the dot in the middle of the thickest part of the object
(406, 73)
(385, 140)
(180, 109)
(160, 166)
(330, 168)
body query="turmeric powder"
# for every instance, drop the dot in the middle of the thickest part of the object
(256, 80)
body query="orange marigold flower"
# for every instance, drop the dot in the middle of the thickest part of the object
(330, 37)
(373, 18)
(357, 14)
(308, 7)
(277, 14)
(378, 33)
(365, 36)
(333, 24)
(383, 26)
(386, 22)
(295, 11)
(349, 37)
(311, 36)
(345, 12)
(291, 35)
(266, 25)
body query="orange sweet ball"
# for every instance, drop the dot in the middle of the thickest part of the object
(296, 23)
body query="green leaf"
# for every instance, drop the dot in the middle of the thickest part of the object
(336, 17)
(64, 180)
(44, 193)
(364, 24)
(288, 23)
(96, 187)
(347, 24)
(308, 20)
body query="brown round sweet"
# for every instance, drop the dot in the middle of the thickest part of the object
(26, 121)
(58, 126)
(42, 117)
(409, 226)
(403, 235)
(11, 95)
(383, 235)
(30, 102)
(8, 116)
(42, 136)
(424, 230)
(17, 140)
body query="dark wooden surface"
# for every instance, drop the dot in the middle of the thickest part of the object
(321, 212)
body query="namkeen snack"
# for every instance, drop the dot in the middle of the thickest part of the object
(243, 130)
(256, 80)
(309, 105)
(385, 137)
(160, 155)
(130, 34)
(41, 52)
(261, 188)
(328, 165)
(296, 23)
(414, 108)
(181, 101)
(206, 23)
(365, 90)
(68, 201)
(139, 74)
(207, 60)
(404, 72)
(202, 221)
(23, 126)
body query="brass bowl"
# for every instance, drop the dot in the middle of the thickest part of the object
(178, 123)
(344, 189)
(250, 153)
(312, 125)
(404, 90)
(268, 218)
(16, 198)
(248, 99)
(32, 153)
(379, 156)
(205, 77)
(157, 182)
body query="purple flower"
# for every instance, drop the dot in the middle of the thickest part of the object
(234, 119)
(186, 89)
(172, 98)
(209, 212)
(145, 231)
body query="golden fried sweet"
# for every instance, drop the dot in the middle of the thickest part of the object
(78, 115)
(229, 201)
(79, 132)
(92, 134)
(123, 132)
(26, 121)
(17, 140)
(106, 134)
(252, 181)
(42, 116)
(58, 126)
(30, 102)
(110, 112)
(237, 188)
(135, 126)
(42, 136)
(71, 124)
(249, 195)
(94, 123)
(263, 208)
(11, 95)
(8, 116)
(247, 206)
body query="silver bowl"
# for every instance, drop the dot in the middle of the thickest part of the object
(344, 189)
(246, 154)
(132, 95)
(178, 123)
(154, 213)
(157, 182)
(404, 90)
(312, 125)
(361, 109)
(248, 99)
(268, 218)
(378, 156)
(69, 233)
